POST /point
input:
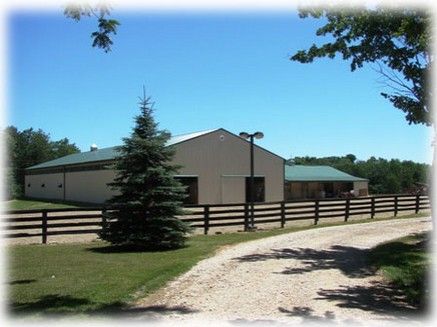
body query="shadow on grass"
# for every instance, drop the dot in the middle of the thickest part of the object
(48, 303)
(118, 309)
(401, 253)
(406, 264)
(379, 298)
(55, 304)
(389, 298)
(22, 281)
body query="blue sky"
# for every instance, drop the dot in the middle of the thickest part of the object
(204, 71)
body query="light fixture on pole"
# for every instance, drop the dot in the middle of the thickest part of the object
(250, 137)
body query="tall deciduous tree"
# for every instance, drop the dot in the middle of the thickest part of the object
(397, 42)
(149, 196)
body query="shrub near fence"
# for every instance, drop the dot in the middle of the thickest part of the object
(70, 221)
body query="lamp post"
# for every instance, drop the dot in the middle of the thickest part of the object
(247, 136)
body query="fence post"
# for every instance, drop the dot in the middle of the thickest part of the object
(246, 217)
(372, 210)
(396, 206)
(417, 203)
(346, 211)
(316, 212)
(206, 218)
(104, 221)
(282, 214)
(44, 226)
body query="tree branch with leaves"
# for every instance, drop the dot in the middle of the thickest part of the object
(102, 38)
(396, 41)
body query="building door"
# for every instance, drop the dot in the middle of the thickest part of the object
(191, 184)
(258, 189)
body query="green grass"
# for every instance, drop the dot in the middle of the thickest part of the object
(91, 278)
(26, 204)
(405, 263)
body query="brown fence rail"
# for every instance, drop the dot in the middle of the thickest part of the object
(68, 221)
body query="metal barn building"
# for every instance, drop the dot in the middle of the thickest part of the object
(215, 169)
(311, 182)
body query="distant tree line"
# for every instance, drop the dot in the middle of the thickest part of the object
(27, 148)
(30, 147)
(385, 176)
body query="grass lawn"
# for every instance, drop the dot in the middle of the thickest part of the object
(24, 204)
(405, 262)
(92, 278)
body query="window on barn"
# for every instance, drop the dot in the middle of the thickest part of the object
(327, 190)
(258, 189)
(191, 190)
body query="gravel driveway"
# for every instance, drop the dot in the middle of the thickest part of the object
(317, 275)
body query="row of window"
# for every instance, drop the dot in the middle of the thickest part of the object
(44, 185)
(192, 189)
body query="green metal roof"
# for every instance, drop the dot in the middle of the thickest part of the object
(300, 173)
(106, 154)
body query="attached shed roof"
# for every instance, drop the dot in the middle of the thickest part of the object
(300, 173)
(106, 154)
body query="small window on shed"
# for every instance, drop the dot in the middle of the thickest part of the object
(60, 185)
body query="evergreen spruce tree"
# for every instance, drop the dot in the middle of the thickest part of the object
(149, 197)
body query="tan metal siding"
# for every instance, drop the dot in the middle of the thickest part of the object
(89, 186)
(51, 190)
(219, 154)
(233, 189)
(211, 157)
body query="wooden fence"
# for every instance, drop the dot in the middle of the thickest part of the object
(50, 222)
